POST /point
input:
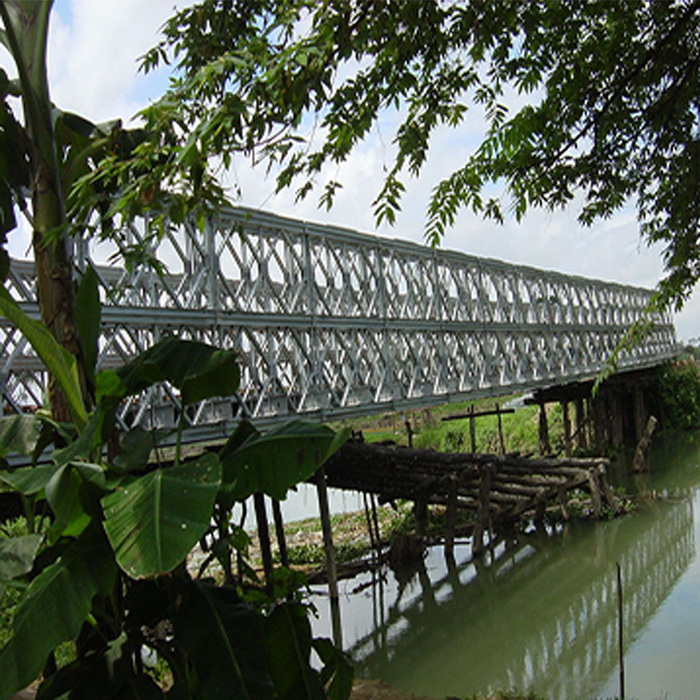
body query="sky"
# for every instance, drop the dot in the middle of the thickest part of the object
(94, 46)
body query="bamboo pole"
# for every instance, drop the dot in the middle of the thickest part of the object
(331, 568)
(472, 430)
(279, 531)
(501, 439)
(264, 538)
(544, 446)
(567, 428)
(451, 516)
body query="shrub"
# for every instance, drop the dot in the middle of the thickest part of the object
(679, 389)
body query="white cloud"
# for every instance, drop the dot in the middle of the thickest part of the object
(94, 47)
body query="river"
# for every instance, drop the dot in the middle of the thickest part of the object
(540, 614)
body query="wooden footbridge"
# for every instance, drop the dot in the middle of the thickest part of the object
(497, 489)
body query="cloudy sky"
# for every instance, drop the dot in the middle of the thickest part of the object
(93, 52)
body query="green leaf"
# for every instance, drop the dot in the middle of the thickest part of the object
(154, 520)
(73, 493)
(337, 673)
(17, 556)
(60, 363)
(279, 459)
(224, 641)
(135, 449)
(108, 675)
(244, 431)
(54, 607)
(200, 371)
(288, 641)
(19, 434)
(88, 316)
(29, 480)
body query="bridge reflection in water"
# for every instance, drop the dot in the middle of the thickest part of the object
(541, 617)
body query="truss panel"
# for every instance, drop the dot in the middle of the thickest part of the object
(330, 322)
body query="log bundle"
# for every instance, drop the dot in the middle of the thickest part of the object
(498, 488)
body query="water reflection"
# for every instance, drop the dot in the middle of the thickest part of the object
(539, 616)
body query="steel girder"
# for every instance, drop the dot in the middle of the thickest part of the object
(329, 322)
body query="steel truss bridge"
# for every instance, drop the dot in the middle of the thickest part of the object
(330, 323)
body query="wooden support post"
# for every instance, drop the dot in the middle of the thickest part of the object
(567, 427)
(451, 515)
(540, 510)
(483, 514)
(264, 537)
(544, 445)
(594, 486)
(368, 518)
(618, 426)
(375, 520)
(472, 429)
(563, 503)
(331, 569)
(279, 531)
(501, 440)
(420, 511)
(640, 415)
(409, 432)
(598, 409)
(607, 494)
(580, 424)
(640, 463)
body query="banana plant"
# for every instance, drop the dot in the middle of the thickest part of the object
(109, 572)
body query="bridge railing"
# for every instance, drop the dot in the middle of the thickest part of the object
(329, 322)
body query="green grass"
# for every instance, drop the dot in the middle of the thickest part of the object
(520, 429)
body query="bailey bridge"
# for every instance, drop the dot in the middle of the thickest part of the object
(330, 323)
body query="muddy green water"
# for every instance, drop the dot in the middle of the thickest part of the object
(540, 614)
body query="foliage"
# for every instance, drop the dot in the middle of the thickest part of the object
(679, 389)
(110, 570)
(605, 102)
(108, 576)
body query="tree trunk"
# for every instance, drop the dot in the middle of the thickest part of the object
(54, 277)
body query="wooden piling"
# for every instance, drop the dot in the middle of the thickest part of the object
(580, 424)
(544, 446)
(375, 522)
(409, 431)
(420, 511)
(501, 439)
(331, 569)
(640, 415)
(472, 430)
(594, 487)
(451, 515)
(279, 531)
(640, 462)
(370, 526)
(567, 427)
(618, 425)
(483, 511)
(264, 538)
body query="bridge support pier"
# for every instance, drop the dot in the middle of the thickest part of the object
(616, 417)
